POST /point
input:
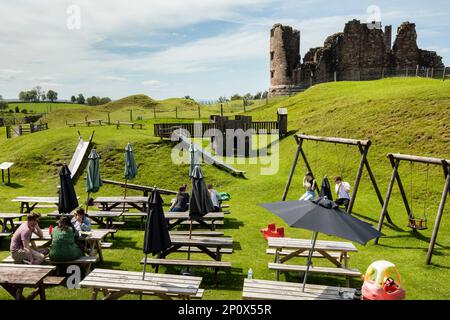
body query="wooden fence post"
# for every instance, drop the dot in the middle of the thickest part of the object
(131, 115)
(199, 112)
(176, 112)
(154, 112)
(221, 109)
(335, 76)
(432, 73)
(109, 119)
(417, 70)
(443, 74)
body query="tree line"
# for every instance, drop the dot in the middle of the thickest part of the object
(246, 97)
(38, 95)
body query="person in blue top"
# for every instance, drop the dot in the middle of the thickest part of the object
(80, 221)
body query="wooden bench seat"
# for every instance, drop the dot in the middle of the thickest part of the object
(132, 124)
(197, 250)
(304, 254)
(281, 267)
(201, 233)
(279, 290)
(81, 260)
(215, 222)
(106, 245)
(5, 234)
(53, 281)
(216, 265)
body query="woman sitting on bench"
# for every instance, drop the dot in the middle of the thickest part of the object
(64, 247)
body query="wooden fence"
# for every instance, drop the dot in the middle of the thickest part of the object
(20, 130)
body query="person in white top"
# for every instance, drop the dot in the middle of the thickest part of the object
(342, 190)
(215, 198)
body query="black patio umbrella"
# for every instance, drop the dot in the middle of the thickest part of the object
(322, 215)
(67, 197)
(156, 237)
(200, 201)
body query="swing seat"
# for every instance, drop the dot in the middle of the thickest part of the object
(418, 224)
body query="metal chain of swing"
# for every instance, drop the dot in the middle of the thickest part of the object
(425, 203)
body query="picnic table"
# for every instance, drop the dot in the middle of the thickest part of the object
(93, 241)
(27, 204)
(6, 218)
(288, 248)
(275, 290)
(117, 283)
(109, 203)
(15, 277)
(177, 218)
(97, 216)
(6, 166)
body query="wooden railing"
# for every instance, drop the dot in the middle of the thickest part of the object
(164, 130)
(20, 130)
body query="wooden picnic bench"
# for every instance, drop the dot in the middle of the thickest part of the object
(109, 203)
(86, 122)
(28, 204)
(105, 219)
(15, 277)
(276, 290)
(201, 233)
(117, 283)
(131, 124)
(85, 262)
(335, 252)
(93, 241)
(6, 166)
(8, 218)
(177, 218)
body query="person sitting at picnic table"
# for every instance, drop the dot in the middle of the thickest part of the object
(21, 251)
(181, 203)
(80, 221)
(215, 198)
(64, 247)
(342, 189)
(310, 184)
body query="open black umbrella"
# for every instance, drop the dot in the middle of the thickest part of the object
(156, 237)
(322, 215)
(67, 197)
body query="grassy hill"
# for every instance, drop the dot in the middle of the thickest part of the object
(398, 115)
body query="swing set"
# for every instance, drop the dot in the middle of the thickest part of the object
(363, 148)
(414, 222)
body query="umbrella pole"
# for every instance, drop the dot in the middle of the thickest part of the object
(87, 202)
(143, 273)
(189, 247)
(124, 196)
(309, 259)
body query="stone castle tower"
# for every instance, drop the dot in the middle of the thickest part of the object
(360, 52)
(284, 60)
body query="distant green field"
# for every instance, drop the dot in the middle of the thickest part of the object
(42, 107)
(409, 116)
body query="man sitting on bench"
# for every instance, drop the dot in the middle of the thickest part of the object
(342, 189)
(20, 248)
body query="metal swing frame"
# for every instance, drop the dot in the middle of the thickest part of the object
(395, 160)
(363, 148)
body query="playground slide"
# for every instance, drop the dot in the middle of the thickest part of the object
(208, 157)
(79, 154)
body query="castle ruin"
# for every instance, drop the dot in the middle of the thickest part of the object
(362, 52)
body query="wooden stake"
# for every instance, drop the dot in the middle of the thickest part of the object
(358, 180)
(438, 218)
(388, 197)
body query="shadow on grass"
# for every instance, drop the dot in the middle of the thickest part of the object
(13, 185)
(412, 234)
(232, 279)
(385, 224)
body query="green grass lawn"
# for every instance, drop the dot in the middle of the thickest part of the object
(398, 115)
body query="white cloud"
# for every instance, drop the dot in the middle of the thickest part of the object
(154, 84)
(112, 78)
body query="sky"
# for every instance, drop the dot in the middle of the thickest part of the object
(173, 48)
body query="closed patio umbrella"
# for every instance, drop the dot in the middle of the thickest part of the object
(67, 197)
(93, 179)
(156, 237)
(192, 159)
(200, 201)
(131, 170)
(322, 215)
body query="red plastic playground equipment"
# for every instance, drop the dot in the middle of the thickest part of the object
(272, 231)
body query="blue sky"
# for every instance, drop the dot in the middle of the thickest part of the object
(201, 48)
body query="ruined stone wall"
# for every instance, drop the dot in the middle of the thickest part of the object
(358, 53)
(405, 51)
(284, 58)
